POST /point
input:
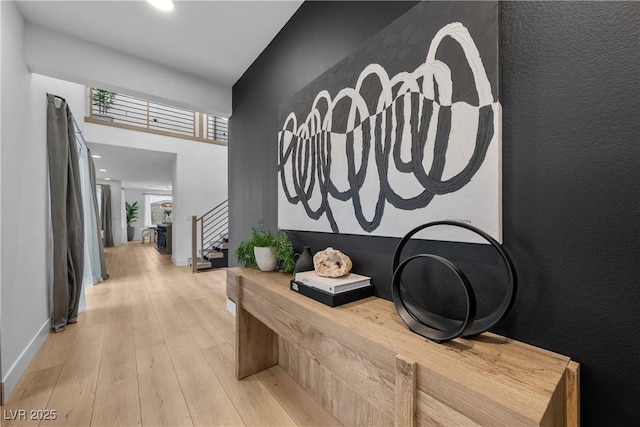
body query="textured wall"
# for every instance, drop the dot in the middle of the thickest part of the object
(317, 37)
(571, 98)
(571, 127)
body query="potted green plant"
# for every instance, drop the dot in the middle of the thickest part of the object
(132, 215)
(104, 100)
(266, 249)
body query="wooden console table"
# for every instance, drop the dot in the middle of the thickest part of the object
(363, 364)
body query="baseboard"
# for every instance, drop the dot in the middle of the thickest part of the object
(179, 262)
(20, 365)
(231, 307)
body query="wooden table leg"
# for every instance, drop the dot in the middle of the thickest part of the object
(256, 344)
(405, 415)
(573, 394)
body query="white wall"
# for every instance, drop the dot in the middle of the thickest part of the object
(24, 199)
(25, 282)
(1, 370)
(73, 93)
(65, 57)
(200, 176)
(132, 196)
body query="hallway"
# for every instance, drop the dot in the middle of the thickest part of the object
(154, 347)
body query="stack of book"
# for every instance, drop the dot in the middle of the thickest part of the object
(332, 291)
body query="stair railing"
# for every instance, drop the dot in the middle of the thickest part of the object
(208, 230)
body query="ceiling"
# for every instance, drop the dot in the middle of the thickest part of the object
(214, 40)
(143, 169)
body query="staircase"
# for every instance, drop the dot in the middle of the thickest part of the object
(209, 239)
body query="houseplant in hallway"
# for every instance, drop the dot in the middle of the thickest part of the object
(132, 215)
(266, 249)
(104, 100)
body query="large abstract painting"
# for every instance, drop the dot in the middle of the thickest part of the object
(404, 131)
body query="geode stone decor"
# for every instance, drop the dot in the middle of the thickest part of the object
(331, 263)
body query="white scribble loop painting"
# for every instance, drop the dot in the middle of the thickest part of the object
(393, 152)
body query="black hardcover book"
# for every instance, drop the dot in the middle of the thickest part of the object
(332, 300)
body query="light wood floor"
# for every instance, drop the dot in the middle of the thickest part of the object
(155, 347)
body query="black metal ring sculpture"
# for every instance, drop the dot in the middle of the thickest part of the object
(439, 328)
(418, 327)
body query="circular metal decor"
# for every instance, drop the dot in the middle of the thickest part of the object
(415, 324)
(439, 328)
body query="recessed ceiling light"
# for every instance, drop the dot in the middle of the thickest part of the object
(163, 5)
(102, 170)
(96, 156)
(107, 179)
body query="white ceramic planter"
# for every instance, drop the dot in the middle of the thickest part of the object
(265, 258)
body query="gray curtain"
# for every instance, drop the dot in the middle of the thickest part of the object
(94, 195)
(106, 216)
(66, 213)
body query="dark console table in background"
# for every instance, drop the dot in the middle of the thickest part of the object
(163, 238)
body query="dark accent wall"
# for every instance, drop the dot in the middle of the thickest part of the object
(570, 90)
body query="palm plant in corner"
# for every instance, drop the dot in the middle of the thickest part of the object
(132, 215)
(266, 249)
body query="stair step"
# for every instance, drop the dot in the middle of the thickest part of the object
(202, 264)
(214, 255)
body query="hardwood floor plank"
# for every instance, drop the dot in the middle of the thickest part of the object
(161, 400)
(117, 404)
(200, 326)
(206, 398)
(97, 311)
(213, 281)
(74, 393)
(182, 291)
(54, 350)
(118, 355)
(147, 341)
(31, 393)
(144, 314)
(168, 319)
(254, 402)
(214, 284)
(224, 321)
(142, 310)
